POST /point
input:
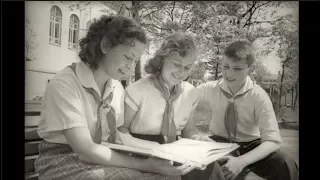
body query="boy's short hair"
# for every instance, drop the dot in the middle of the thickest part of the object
(240, 50)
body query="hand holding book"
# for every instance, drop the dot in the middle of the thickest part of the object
(182, 151)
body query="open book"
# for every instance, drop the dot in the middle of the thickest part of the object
(199, 153)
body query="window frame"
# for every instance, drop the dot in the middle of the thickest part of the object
(74, 26)
(55, 24)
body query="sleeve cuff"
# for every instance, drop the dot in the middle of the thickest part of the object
(273, 139)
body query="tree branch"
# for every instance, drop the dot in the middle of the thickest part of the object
(142, 11)
(263, 4)
(165, 29)
(184, 8)
(174, 3)
(150, 13)
(120, 9)
(249, 10)
(259, 22)
(190, 25)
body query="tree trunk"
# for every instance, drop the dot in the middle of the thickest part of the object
(216, 73)
(280, 89)
(135, 15)
(285, 99)
(217, 66)
(292, 98)
(297, 93)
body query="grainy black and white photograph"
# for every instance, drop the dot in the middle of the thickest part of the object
(162, 90)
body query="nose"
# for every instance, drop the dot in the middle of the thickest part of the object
(181, 70)
(230, 72)
(131, 66)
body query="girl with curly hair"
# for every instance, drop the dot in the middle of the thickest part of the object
(159, 107)
(83, 105)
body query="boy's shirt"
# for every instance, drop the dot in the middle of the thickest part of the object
(256, 117)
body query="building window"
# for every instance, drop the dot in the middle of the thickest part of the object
(73, 32)
(55, 26)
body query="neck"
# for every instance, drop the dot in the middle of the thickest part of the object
(101, 77)
(167, 84)
(234, 90)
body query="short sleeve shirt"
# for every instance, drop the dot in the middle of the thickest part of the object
(144, 98)
(255, 111)
(68, 104)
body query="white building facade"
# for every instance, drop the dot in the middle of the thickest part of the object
(53, 28)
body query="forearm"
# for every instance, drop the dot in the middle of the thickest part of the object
(99, 154)
(124, 129)
(260, 152)
(190, 131)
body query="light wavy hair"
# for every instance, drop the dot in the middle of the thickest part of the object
(178, 42)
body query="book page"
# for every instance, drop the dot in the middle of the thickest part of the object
(194, 150)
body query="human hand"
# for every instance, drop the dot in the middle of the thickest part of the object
(167, 168)
(232, 167)
(206, 138)
(202, 138)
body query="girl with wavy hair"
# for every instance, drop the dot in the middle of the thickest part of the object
(159, 107)
(83, 105)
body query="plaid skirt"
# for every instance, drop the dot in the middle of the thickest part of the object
(59, 161)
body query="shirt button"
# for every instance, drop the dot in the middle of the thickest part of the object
(231, 100)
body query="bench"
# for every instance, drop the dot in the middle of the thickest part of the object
(32, 140)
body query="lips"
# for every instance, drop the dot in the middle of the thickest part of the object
(230, 80)
(122, 72)
(176, 76)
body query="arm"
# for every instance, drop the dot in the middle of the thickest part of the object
(204, 91)
(125, 136)
(269, 130)
(269, 133)
(80, 140)
(259, 153)
(64, 111)
(129, 114)
(190, 130)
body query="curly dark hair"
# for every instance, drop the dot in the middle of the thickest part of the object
(117, 29)
(178, 42)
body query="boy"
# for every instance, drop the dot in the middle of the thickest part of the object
(242, 113)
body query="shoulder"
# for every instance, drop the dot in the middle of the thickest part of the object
(64, 80)
(258, 91)
(187, 87)
(210, 84)
(259, 94)
(141, 84)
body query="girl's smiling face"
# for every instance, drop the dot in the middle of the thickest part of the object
(176, 68)
(119, 61)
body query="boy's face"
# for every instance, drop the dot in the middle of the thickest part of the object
(235, 72)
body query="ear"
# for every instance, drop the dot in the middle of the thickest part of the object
(252, 68)
(104, 45)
